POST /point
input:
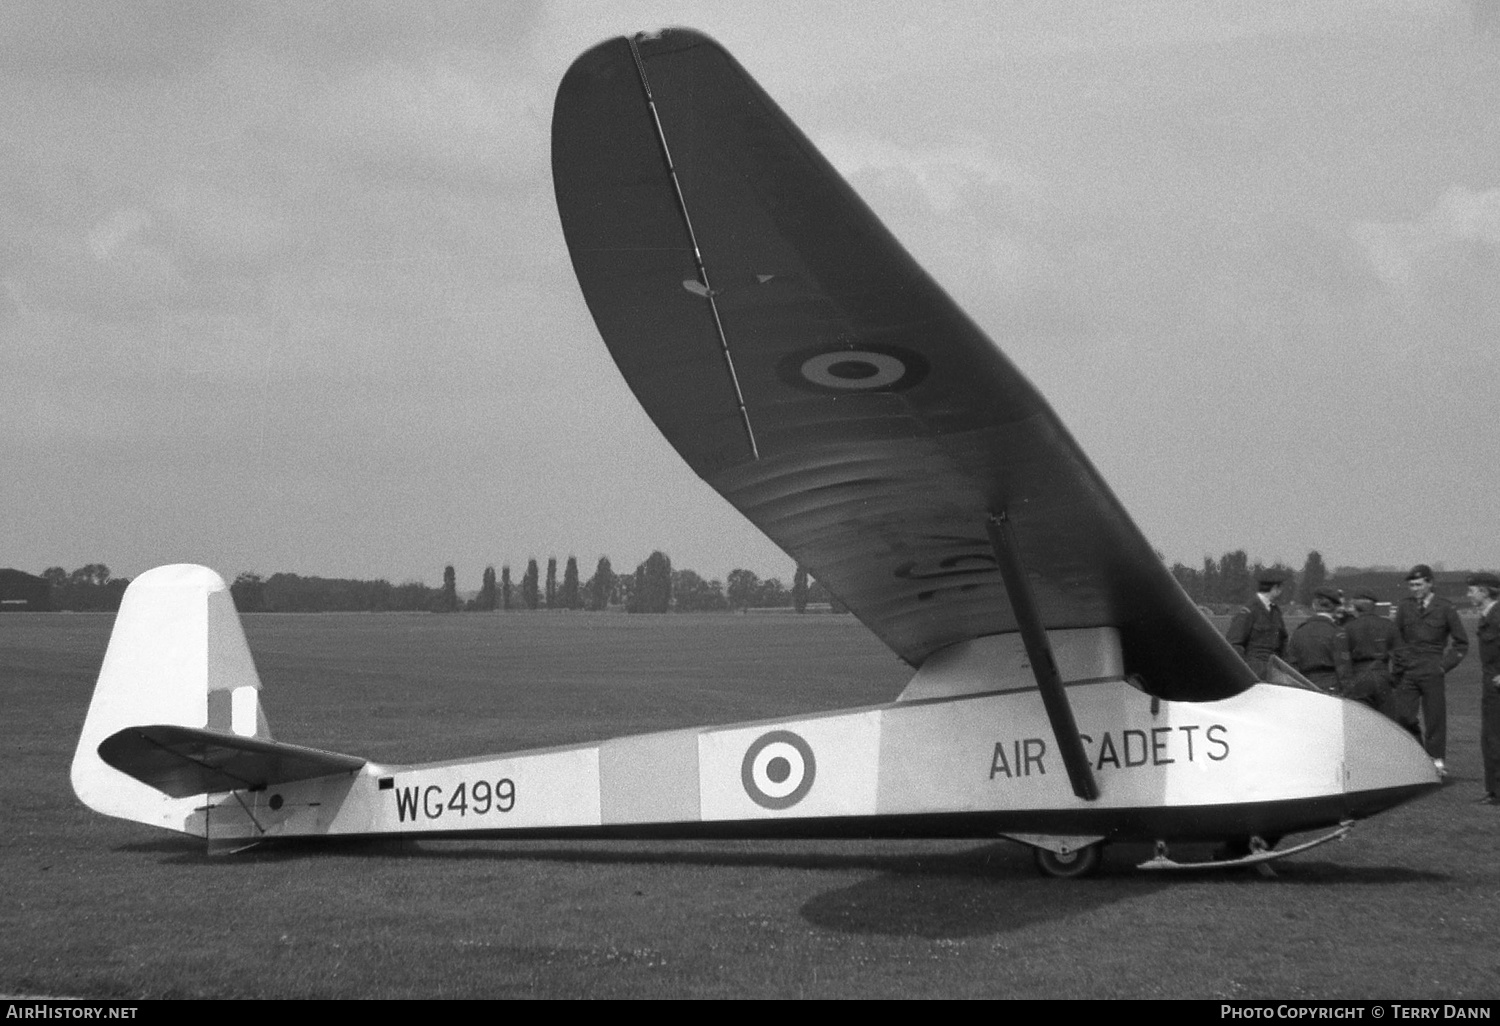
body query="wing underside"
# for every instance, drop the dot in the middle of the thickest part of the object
(812, 373)
(185, 761)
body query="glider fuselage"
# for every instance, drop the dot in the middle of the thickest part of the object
(955, 756)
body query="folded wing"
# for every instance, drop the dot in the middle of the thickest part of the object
(811, 372)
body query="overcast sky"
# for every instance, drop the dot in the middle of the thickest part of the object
(284, 287)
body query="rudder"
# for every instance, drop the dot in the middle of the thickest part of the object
(177, 655)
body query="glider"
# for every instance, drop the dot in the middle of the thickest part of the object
(1067, 692)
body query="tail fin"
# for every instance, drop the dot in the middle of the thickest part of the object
(177, 656)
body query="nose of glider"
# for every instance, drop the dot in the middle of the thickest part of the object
(1383, 764)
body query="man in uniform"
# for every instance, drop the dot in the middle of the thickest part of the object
(1319, 648)
(1345, 611)
(1257, 631)
(1432, 643)
(1484, 589)
(1372, 644)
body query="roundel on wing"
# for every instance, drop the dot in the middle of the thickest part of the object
(847, 370)
(778, 769)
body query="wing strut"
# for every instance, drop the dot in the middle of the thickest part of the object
(1039, 652)
(707, 288)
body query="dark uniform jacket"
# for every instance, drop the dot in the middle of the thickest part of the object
(1430, 636)
(1489, 646)
(1489, 697)
(1372, 639)
(1319, 649)
(1372, 643)
(1258, 633)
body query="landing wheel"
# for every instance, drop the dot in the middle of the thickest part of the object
(1072, 865)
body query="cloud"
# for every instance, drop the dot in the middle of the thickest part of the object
(118, 267)
(115, 41)
(116, 232)
(946, 177)
(1405, 254)
(449, 118)
(212, 222)
(1440, 271)
(105, 40)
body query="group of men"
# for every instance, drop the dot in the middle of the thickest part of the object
(1397, 666)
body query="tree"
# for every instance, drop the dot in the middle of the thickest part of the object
(1213, 589)
(505, 588)
(625, 591)
(448, 599)
(408, 597)
(743, 588)
(772, 594)
(653, 585)
(817, 591)
(289, 593)
(692, 594)
(568, 597)
(530, 590)
(601, 587)
(1314, 576)
(94, 575)
(1286, 572)
(1234, 576)
(551, 582)
(637, 589)
(1190, 579)
(486, 601)
(1253, 576)
(799, 589)
(249, 593)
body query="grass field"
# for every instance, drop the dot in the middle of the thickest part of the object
(1407, 907)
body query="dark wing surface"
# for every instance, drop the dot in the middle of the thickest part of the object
(806, 368)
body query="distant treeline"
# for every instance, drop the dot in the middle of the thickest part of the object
(89, 589)
(290, 593)
(1231, 579)
(655, 587)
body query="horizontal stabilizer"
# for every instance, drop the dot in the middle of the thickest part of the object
(185, 761)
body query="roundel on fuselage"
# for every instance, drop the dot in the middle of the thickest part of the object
(778, 769)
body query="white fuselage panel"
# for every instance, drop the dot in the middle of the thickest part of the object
(976, 753)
